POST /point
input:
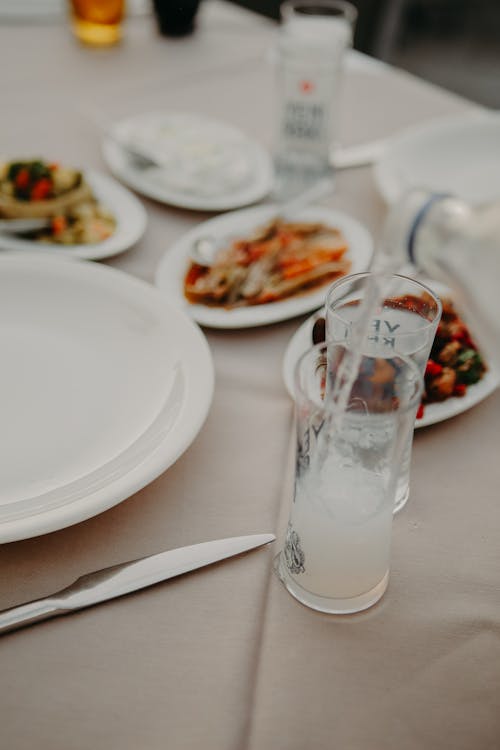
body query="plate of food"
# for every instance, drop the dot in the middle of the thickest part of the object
(458, 155)
(457, 376)
(84, 214)
(105, 385)
(266, 268)
(188, 160)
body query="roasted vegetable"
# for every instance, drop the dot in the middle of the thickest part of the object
(454, 364)
(39, 189)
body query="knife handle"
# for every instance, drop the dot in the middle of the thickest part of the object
(27, 614)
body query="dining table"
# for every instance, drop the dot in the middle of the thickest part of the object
(223, 658)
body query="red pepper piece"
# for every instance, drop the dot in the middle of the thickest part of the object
(433, 369)
(194, 273)
(460, 389)
(59, 224)
(22, 179)
(420, 411)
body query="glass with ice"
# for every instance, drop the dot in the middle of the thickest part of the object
(404, 323)
(336, 554)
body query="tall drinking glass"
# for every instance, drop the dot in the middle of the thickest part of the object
(405, 323)
(337, 549)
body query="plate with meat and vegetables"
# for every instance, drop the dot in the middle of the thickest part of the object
(265, 268)
(457, 376)
(82, 214)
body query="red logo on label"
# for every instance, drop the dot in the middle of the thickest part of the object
(306, 87)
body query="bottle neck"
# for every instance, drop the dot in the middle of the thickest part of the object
(420, 224)
(458, 244)
(419, 219)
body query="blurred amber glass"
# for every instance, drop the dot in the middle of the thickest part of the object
(97, 22)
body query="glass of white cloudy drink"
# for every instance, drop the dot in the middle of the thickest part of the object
(404, 323)
(336, 554)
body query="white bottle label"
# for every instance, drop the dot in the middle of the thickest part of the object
(306, 115)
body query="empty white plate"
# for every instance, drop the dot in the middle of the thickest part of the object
(458, 155)
(103, 386)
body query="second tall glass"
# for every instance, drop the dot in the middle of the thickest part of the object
(405, 323)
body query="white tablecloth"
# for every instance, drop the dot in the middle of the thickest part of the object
(225, 659)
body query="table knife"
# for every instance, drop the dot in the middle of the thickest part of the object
(118, 580)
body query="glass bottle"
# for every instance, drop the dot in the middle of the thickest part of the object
(457, 243)
(312, 42)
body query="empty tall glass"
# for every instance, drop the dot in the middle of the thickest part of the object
(405, 323)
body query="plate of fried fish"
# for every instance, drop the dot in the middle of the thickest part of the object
(265, 267)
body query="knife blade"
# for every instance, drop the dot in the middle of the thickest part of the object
(125, 578)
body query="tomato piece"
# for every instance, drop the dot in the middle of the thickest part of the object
(41, 189)
(22, 179)
(433, 368)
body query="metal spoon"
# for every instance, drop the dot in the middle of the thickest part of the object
(23, 226)
(204, 249)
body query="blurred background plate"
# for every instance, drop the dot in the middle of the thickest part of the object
(458, 155)
(206, 165)
(130, 218)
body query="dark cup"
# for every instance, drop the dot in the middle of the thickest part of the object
(175, 17)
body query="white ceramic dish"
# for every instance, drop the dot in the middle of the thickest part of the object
(130, 224)
(207, 165)
(438, 412)
(104, 385)
(458, 155)
(175, 262)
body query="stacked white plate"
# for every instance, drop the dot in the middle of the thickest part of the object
(458, 155)
(103, 386)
